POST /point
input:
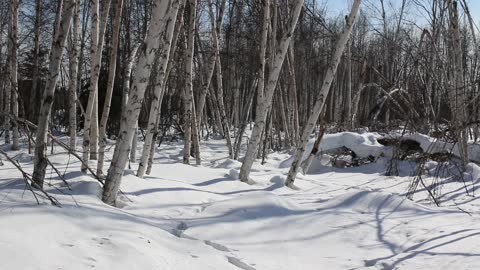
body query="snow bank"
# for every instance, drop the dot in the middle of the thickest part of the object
(432, 145)
(364, 145)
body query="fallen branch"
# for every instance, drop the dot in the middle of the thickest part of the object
(29, 183)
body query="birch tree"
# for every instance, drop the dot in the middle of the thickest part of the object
(112, 67)
(159, 37)
(320, 100)
(91, 112)
(56, 53)
(36, 63)
(163, 84)
(8, 83)
(72, 87)
(456, 92)
(213, 59)
(188, 114)
(154, 114)
(13, 71)
(264, 103)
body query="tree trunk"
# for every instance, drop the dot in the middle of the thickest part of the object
(154, 114)
(108, 96)
(98, 36)
(159, 37)
(219, 95)
(72, 87)
(457, 91)
(60, 37)
(36, 51)
(211, 64)
(14, 72)
(188, 90)
(327, 82)
(163, 84)
(265, 103)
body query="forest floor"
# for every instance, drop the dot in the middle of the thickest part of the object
(202, 217)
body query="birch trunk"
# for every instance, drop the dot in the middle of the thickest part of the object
(154, 114)
(306, 164)
(188, 90)
(13, 72)
(8, 85)
(356, 98)
(94, 129)
(159, 37)
(220, 101)
(457, 93)
(61, 32)
(265, 103)
(108, 96)
(320, 101)
(98, 35)
(176, 32)
(72, 87)
(36, 51)
(211, 64)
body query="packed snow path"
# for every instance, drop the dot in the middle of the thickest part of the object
(189, 217)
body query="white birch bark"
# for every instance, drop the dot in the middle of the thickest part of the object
(98, 36)
(221, 104)
(265, 103)
(320, 101)
(211, 64)
(72, 86)
(56, 53)
(159, 37)
(36, 63)
(8, 85)
(108, 96)
(94, 129)
(188, 91)
(457, 93)
(154, 114)
(163, 85)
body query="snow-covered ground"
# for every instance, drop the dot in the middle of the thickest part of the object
(202, 217)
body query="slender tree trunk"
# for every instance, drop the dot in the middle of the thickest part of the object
(36, 63)
(219, 95)
(72, 87)
(98, 36)
(265, 103)
(111, 77)
(327, 82)
(348, 100)
(163, 85)
(213, 59)
(13, 72)
(306, 164)
(356, 98)
(60, 37)
(94, 129)
(457, 93)
(8, 82)
(161, 29)
(154, 114)
(188, 90)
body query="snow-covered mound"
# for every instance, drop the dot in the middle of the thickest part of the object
(364, 145)
(432, 145)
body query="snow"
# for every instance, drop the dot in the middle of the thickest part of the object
(202, 217)
(364, 145)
